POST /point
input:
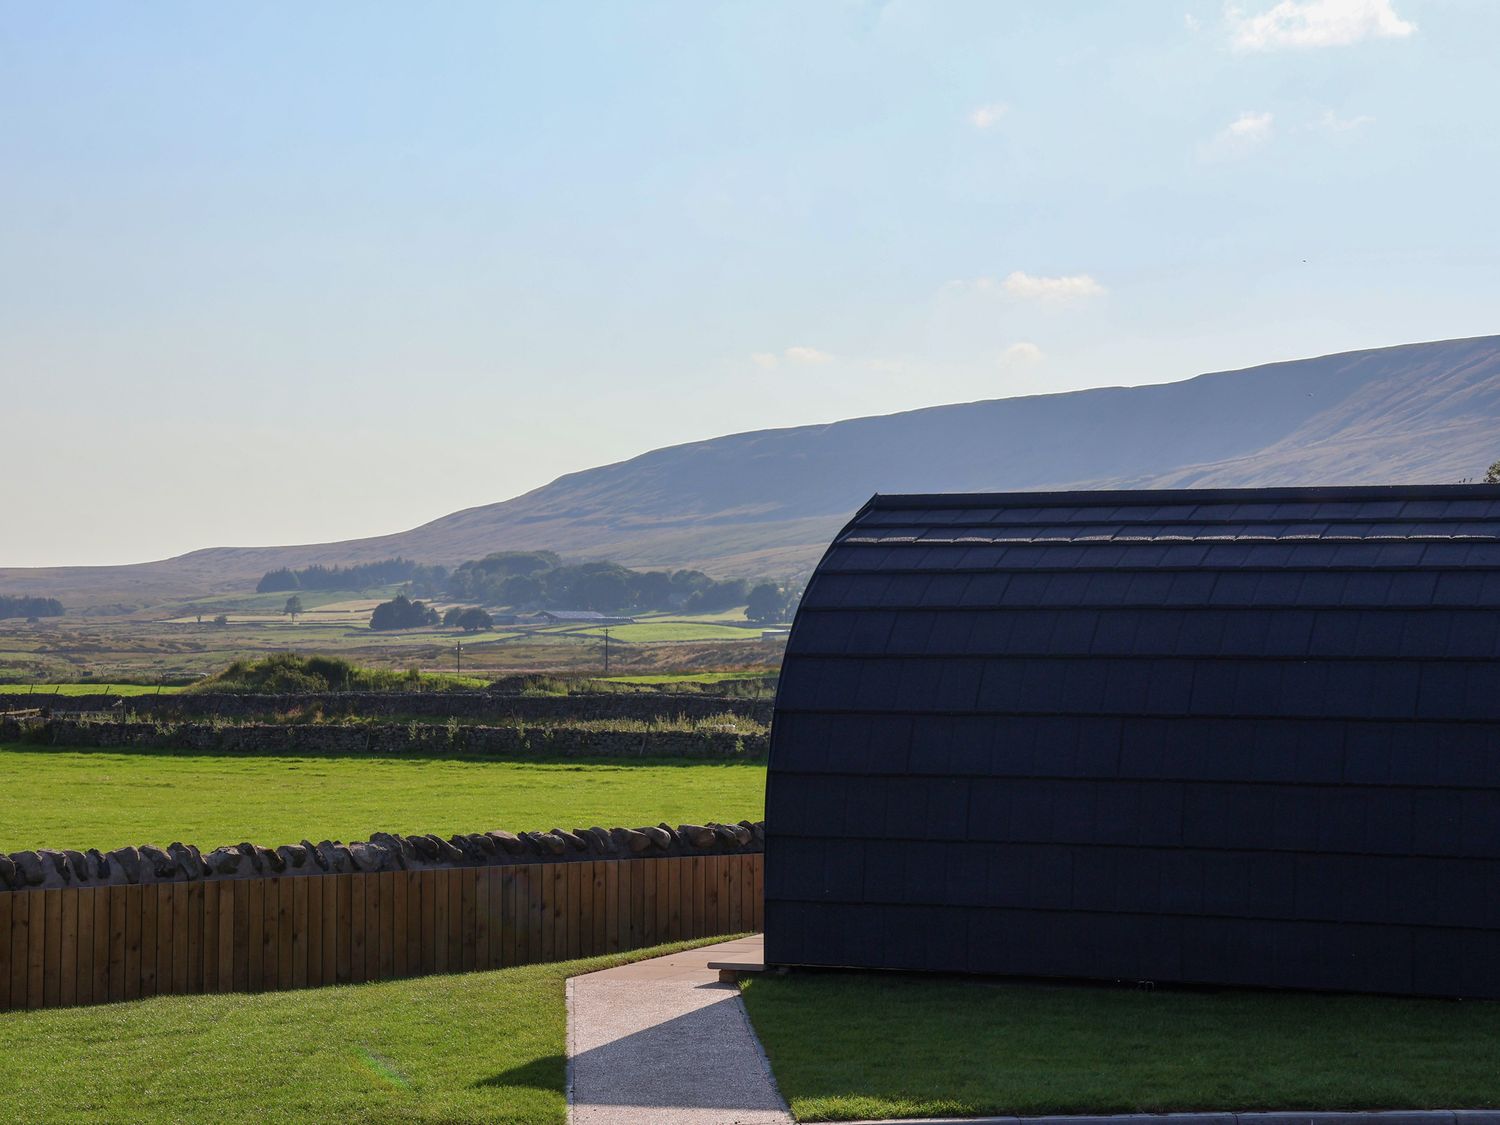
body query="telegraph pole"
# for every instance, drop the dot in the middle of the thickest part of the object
(606, 653)
(458, 656)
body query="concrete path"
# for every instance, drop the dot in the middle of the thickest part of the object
(1371, 1117)
(662, 1042)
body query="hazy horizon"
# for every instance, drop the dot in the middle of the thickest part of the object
(292, 275)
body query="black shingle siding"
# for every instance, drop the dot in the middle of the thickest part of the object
(1237, 737)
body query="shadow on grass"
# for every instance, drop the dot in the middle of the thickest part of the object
(546, 1073)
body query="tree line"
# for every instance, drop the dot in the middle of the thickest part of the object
(24, 605)
(359, 576)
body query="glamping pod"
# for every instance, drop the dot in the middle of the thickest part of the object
(1244, 737)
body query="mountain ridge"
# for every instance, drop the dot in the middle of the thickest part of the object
(767, 501)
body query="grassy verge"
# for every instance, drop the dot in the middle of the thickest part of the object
(846, 1046)
(81, 799)
(477, 1047)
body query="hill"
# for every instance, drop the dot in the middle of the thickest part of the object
(767, 502)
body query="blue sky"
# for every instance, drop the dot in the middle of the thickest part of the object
(297, 272)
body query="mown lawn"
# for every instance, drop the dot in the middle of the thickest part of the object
(846, 1046)
(476, 1047)
(82, 799)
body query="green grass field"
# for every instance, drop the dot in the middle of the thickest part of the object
(476, 1047)
(845, 1046)
(83, 799)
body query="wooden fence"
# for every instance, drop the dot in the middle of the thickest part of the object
(93, 945)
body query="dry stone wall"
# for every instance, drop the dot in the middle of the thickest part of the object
(48, 869)
(392, 739)
(439, 705)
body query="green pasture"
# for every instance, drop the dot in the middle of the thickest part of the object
(89, 798)
(474, 1047)
(847, 1046)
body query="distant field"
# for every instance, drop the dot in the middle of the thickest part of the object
(82, 799)
(86, 689)
(647, 631)
(691, 677)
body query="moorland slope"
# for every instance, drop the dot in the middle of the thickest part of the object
(767, 502)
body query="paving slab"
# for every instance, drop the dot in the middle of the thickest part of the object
(1360, 1117)
(662, 1042)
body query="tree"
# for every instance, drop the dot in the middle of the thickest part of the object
(451, 616)
(222, 620)
(292, 608)
(403, 613)
(1492, 474)
(473, 620)
(766, 603)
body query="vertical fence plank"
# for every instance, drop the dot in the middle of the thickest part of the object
(640, 880)
(373, 911)
(481, 918)
(239, 939)
(20, 947)
(52, 954)
(83, 969)
(36, 949)
(346, 928)
(356, 927)
(612, 905)
(172, 908)
(270, 940)
(663, 875)
(6, 949)
(437, 885)
(627, 896)
(192, 905)
(330, 959)
(298, 888)
(537, 909)
(510, 927)
(314, 929)
(100, 938)
(646, 870)
(209, 955)
(166, 931)
(399, 883)
(468, 917)
(673, 868)
(117, 901)
(413, 937)
(286, 920)
(387, 964)
(67, 985)
(255, 933)
(455, 921)
(228, 922)
(133, 897)
(149, 935)
(598, 939)
(577, 903)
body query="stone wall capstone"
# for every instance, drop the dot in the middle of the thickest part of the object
(48, 869)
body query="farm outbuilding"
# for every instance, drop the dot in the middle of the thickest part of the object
(1246, 737)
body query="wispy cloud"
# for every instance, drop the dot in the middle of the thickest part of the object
(1241, 136)
(1330, 122)
(1301, 24)
(1029, 287)
(983, 117)
(796, 354)
(1021, 354)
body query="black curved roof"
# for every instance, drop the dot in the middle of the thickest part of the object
(1246, 736)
